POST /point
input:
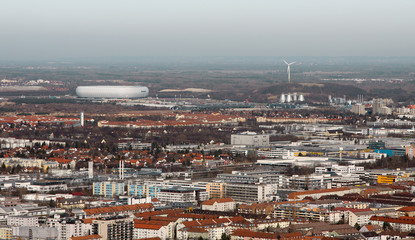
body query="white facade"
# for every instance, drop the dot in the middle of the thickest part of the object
(227, 206)
(150, 232)
(15, 143)
(180, 195)
(340, 170)
(47, 187)
(361, 218)
(250, 139)
(248, 193)
(68, 229)
(27, 221)
(35, 232)
(276, 153)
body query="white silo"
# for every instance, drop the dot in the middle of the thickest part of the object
(282, 98)
(301, 98)
(295, 97)
(288, 98)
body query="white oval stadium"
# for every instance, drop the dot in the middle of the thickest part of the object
(111, 91)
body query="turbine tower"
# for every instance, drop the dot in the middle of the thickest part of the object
(288, 70)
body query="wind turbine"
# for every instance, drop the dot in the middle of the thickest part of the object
(288, 70)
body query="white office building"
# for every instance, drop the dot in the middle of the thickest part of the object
(250, 139)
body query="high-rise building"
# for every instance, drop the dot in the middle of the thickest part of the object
(358, 109)
(117, 228)
(216, 189)
(90, 169)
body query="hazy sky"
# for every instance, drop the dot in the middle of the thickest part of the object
(31, 29)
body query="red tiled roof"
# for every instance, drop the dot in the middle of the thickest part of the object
(401, 220)
(152, 222)
(217, 200)
(369, 227)
(103, 210)
(407, 209)
(250, 234)
(154, 238)
(193, 216)
(95, 236)
(310, 192)
(206, 222)
(158, 213)
(88, 220)
(147, 226)
(344, 209)
(293, 235)
(197, 230)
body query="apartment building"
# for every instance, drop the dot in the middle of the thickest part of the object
(253, 177)
(144, 190)
(219, 204)
(29, 221)
(116, 228)
(69, 227)
(6, 232)
(309, 182)
(108, 189)
(184, 197)
(403, 224)
(216, 189)
(114, 211)
(248, 193)
(142, 230)
(340, 170)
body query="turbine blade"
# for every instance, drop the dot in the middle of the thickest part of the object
(292, 63)
(285, 62)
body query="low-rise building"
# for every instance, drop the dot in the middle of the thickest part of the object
(404, 224)
(117, 210)
(28, 221)
(316, 194)
(47, 186)
(219, 204)
(71, 203)
(108, 189)
(182, 197)
(142, 230)
(250, 139)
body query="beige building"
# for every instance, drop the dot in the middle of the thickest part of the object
(220, 204)
(216, 189)
(5, 232)
(358, 109)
